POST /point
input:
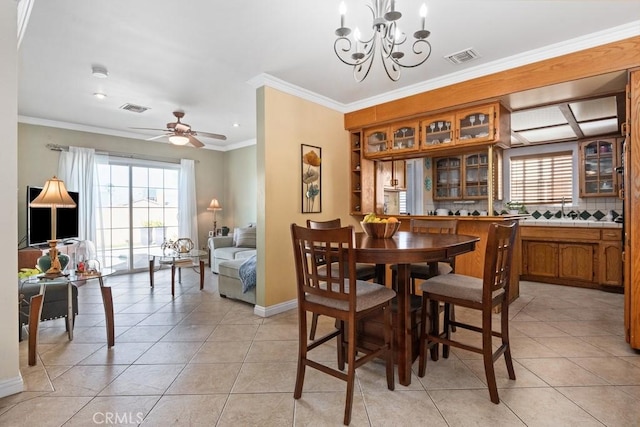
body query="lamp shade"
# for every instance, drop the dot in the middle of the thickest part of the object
(214, 205)
(54, 195)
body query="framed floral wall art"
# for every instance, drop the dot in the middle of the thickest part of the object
(311, 179)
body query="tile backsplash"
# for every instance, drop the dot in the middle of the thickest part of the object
(587, 208)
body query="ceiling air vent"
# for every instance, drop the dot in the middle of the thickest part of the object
(462, 56)
(134, 108)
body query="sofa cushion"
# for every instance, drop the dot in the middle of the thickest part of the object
(246, 253)
(230, 268)
(229, 253)
(245, 237)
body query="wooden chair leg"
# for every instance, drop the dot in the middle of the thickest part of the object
(504, 322)
(302, 353)
(388, 336)
(447, 329)
(314, 326)
(35, 311)
(487, 356)
(434, 311)
(351, 373)
(422, 361)
(341, 346)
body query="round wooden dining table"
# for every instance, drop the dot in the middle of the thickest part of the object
(403, 249)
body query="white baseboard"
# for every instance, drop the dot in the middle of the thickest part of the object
(11, 386)
(275, 309)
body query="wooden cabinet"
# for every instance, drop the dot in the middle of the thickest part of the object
(481, 125)
(376, 142)
(598, 161)
(392, 174)
(362, 178)
(405, 137)
(576, 256)
(397, 139)
(540, 259)
(576, 261)
(467, 176)
(438, 132)
(448, 171)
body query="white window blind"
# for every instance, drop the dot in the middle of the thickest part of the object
(402, 200)
(541, 179)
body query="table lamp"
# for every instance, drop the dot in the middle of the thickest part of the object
(214, 206)
(54, 195)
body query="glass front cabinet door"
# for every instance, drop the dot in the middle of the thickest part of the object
(437, 132)
(376, 142)
(475, 124)
(405, 137)
(598, 161)
(476, 171)
(447, 170)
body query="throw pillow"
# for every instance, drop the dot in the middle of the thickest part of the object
(245, 237)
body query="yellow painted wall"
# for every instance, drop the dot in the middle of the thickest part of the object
(284, 123)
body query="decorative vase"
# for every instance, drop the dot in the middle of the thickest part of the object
(225, 231)
(44, 262)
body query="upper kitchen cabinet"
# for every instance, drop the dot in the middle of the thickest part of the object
(405, 137)
(598, 162)
(483, 124)
(394, 140)
(437, 132)
(377, 142)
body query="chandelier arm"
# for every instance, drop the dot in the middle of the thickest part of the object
(364, 66)
(417, 52)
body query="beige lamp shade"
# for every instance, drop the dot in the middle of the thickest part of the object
(214, 205)
(53, 195)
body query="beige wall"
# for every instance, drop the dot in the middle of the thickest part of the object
(10, 380)
(240, 188)
(36, 164)
(284, 123)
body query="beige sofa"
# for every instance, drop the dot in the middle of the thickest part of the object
(240, 245)
(229, 284)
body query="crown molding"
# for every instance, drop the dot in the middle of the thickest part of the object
(587, 41)
(265, 79)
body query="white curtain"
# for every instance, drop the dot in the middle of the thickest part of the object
(77, 169)
(188, 212)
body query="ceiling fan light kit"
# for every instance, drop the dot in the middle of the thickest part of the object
(178, 139)
(387, 39)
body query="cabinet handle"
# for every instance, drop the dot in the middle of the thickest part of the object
(623, 129)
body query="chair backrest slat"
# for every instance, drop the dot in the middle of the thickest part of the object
(434, 226)
(324, 225)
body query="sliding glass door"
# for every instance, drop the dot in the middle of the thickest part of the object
(137, 211)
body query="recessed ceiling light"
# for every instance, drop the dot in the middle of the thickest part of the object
(100, 95)
(99, 72)
(236, 125)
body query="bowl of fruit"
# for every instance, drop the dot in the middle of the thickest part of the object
(379, 228)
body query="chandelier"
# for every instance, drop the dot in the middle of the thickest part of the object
(387, 39)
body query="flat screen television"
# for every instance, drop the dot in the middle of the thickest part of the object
(39, 220)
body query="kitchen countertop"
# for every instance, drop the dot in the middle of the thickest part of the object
(525, 220)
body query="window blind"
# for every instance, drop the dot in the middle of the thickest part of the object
(542, 179)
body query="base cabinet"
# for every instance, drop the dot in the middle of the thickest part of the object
(586, 257)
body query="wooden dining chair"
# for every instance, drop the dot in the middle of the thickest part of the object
(363, 271)
(343, 297)
(484, 295)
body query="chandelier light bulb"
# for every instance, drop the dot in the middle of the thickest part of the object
(423, 14)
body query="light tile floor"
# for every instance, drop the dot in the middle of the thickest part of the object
(201, 360)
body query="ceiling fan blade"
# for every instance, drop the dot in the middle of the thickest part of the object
(194, 141)
(153, 138)
(212, 135)
(159, 130)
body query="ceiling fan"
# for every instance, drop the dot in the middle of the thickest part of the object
(181, 133)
